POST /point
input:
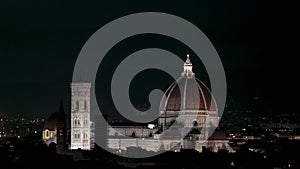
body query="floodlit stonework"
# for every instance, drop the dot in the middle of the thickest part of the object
(187, 101)
(80, 116)
(195, 111)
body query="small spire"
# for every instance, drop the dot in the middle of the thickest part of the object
(188, 61)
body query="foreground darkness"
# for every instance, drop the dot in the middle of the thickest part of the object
(30, 153)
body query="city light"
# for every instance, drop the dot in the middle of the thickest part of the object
(151, 126)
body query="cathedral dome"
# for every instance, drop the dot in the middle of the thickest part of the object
(57, 117)
(53, 120)
(191, 87)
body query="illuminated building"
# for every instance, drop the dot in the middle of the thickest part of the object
(187, 103)
(80, 116)
(55, 129)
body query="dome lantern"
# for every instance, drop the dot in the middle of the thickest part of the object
(194, 95)
(188, 67)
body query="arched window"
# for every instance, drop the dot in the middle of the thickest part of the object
(76, 121)
(85, 136)
(76, 135)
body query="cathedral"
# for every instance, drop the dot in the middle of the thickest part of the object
(188, 117)
(55, 129)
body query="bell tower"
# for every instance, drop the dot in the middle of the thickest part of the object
(80, 116)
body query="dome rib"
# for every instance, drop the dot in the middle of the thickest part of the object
(172, 100)
(196, 96)
(202, 94)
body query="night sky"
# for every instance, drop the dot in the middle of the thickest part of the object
(40, 41)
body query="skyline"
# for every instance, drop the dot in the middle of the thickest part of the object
(40, 43)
